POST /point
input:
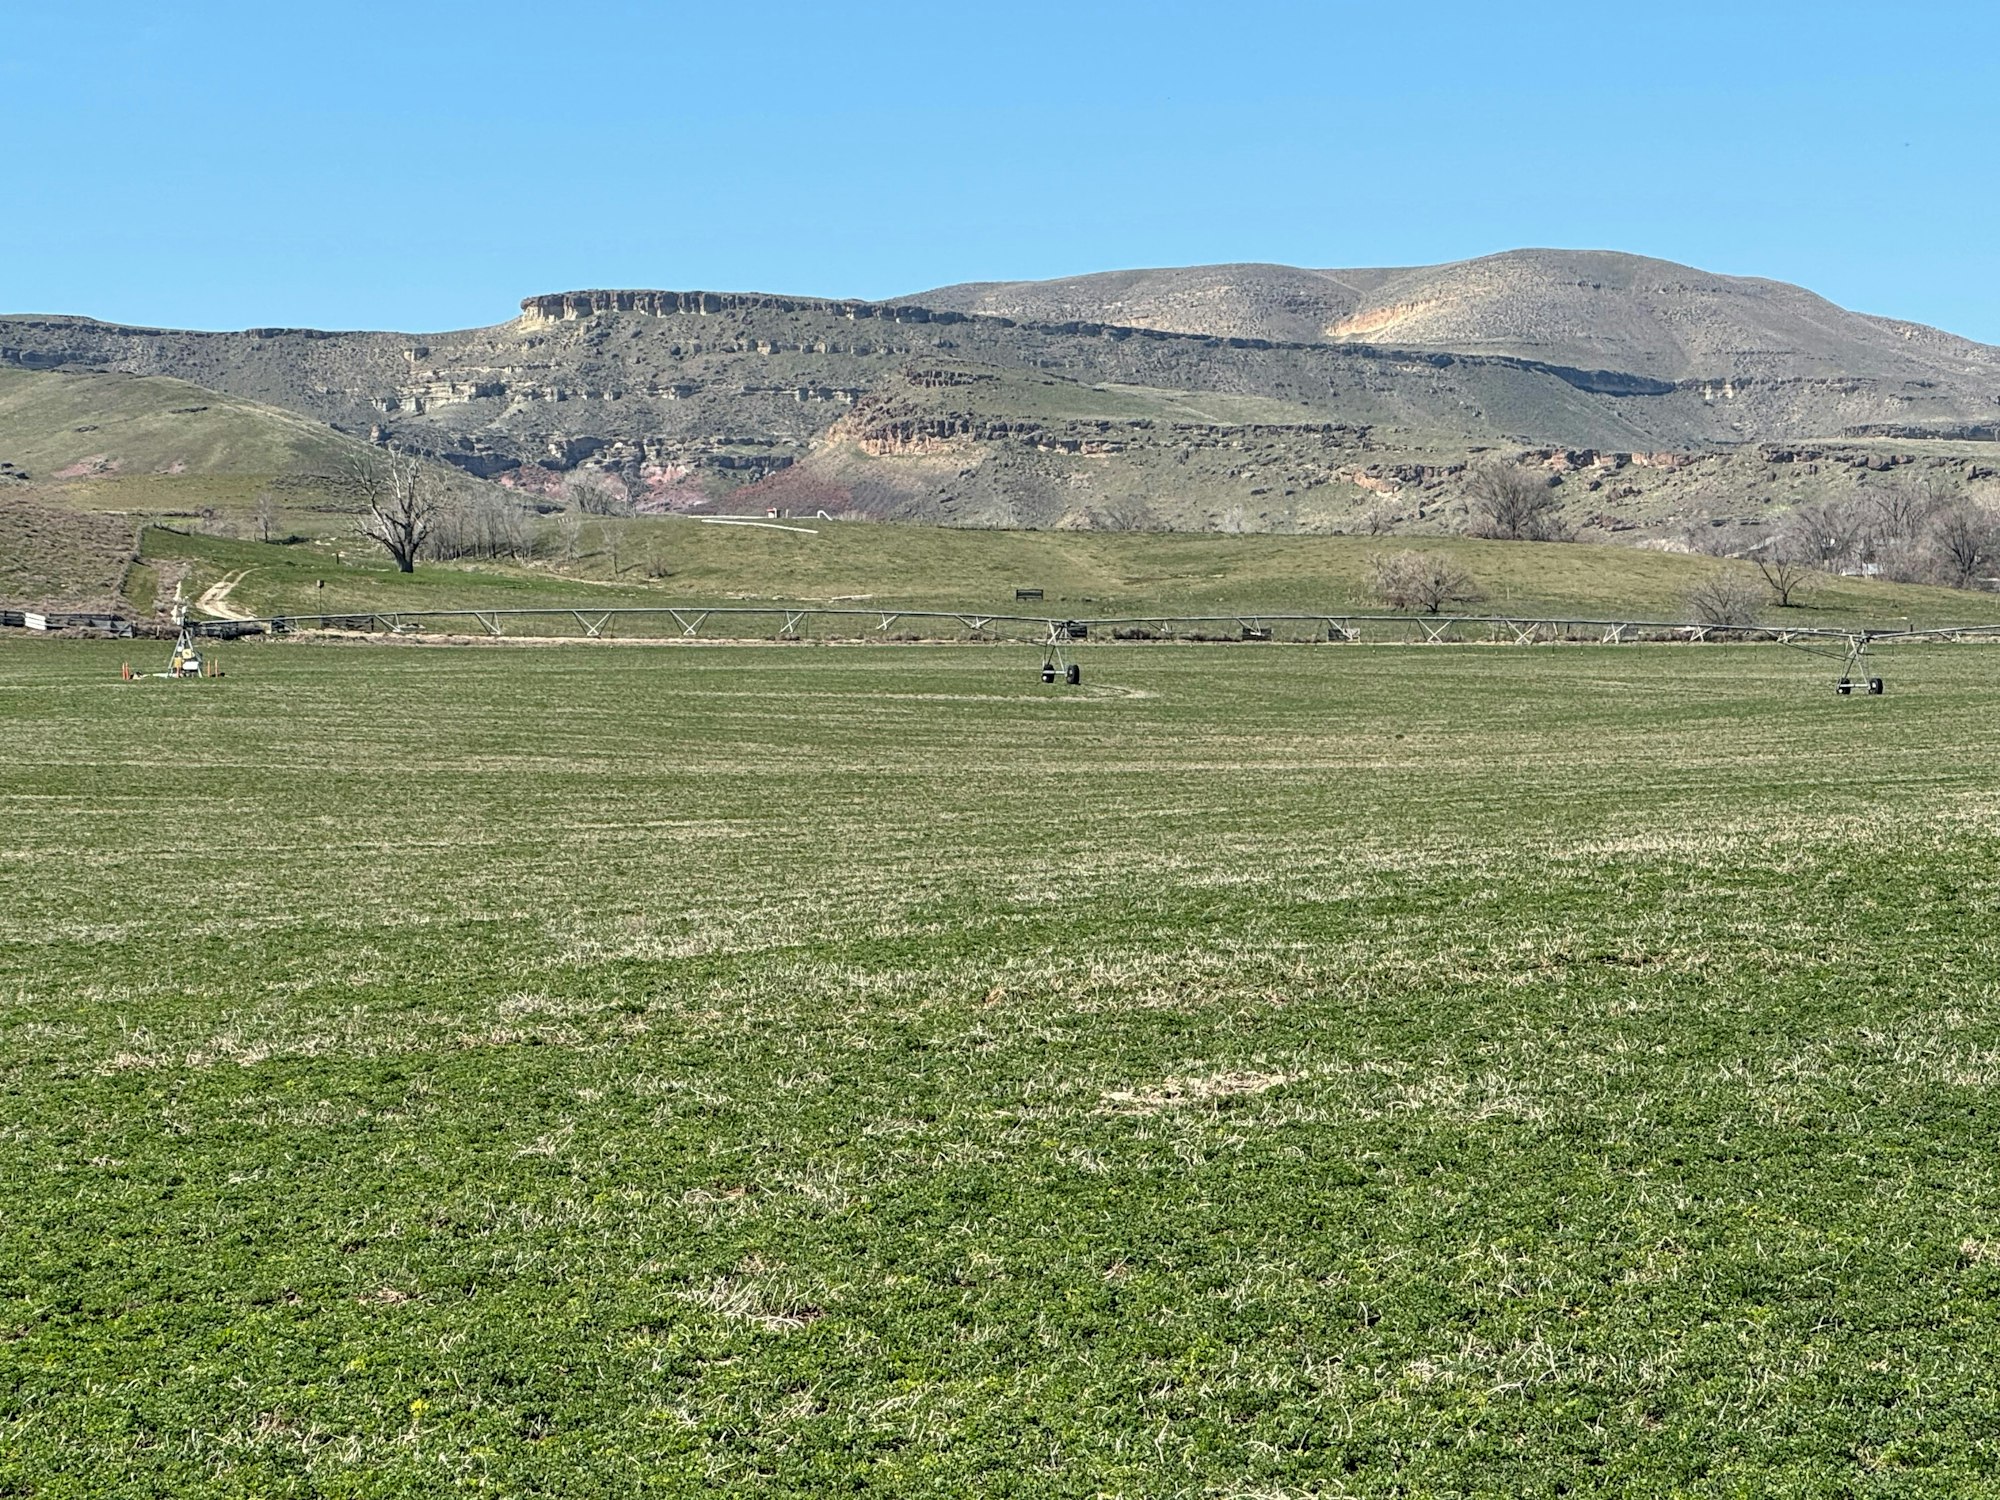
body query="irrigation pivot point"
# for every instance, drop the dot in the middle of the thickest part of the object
(186, 660)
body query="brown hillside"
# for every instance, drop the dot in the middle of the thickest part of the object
(1582, 308)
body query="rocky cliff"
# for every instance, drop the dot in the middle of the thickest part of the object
(1253, 396)
(561, 306)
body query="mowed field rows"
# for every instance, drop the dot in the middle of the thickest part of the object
(804, 1071)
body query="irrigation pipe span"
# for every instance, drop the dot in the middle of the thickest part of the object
(792, 622)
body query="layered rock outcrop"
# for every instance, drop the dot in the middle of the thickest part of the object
(559, 307)
(1013, 409)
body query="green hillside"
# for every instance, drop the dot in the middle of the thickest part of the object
(64, 427)
(88, 459)
(149, 447)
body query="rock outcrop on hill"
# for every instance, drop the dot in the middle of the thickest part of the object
(1250, 397)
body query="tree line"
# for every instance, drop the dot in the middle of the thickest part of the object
(1929, 532)
(1905, 532)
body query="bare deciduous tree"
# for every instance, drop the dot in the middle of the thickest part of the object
(1901, 559)
(486, 522)
(1124, 515)
(1903, 510)
(1826, 534)
(1705, 535)
(1786, 560)
(1425, 581)
(1965, 540)
(597, 492)
(402, 505)
(1514, 504)
(1725, 596)
(569, 533)
(267, 516)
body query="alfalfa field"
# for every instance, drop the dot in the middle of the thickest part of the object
(1262, 1071)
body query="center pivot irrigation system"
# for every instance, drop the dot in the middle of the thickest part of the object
(1057, 638)
(187, 660)
(1851, 674)
(1055, 651)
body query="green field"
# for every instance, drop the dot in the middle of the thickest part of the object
(675, 561)
(795, 1072)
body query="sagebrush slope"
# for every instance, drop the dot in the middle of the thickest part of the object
(1586, 308)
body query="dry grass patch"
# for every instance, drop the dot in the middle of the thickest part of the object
(1191, 1091)
(62, 559)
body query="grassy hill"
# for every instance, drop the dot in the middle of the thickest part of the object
(149, 445)
(88, 459)
(1119, 459)
(80, 428)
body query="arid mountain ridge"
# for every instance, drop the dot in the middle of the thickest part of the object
(1238, 397)
(1584, 309)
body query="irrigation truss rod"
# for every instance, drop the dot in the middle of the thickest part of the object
(688, 621)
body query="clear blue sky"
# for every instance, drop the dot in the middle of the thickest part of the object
(423, 166)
